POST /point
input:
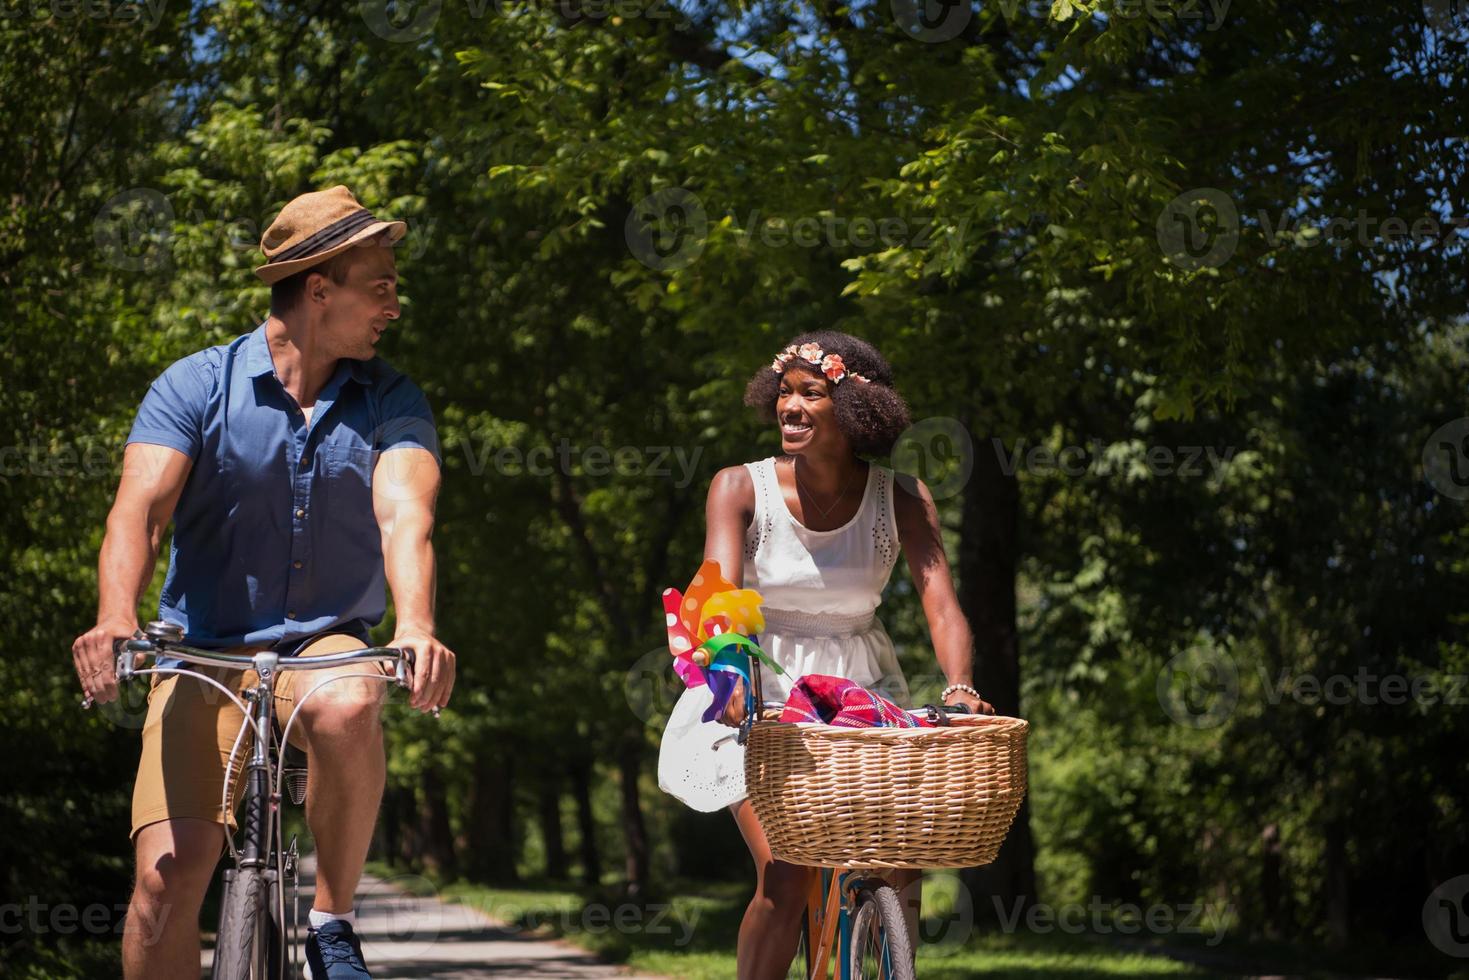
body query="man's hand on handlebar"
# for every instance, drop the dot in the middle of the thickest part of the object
(433, 669)
(95, 658)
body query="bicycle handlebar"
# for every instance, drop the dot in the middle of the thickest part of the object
(162, 639)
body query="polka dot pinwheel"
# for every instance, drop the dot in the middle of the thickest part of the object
(711, 630)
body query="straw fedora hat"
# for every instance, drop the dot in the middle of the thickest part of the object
(314, 227)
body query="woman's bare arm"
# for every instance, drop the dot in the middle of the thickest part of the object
(727, 513)
(923, 546)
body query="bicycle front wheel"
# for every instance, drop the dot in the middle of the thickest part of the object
(881, 946)
(248, 946)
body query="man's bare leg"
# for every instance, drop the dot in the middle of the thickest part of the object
(175, 861)
(344, 743)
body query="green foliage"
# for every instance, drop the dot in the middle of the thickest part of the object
(1025, 168)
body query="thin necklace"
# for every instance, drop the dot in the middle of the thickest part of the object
(840, 494)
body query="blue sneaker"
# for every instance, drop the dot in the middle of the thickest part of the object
(334, 952)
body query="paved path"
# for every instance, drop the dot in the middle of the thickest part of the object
(408, 937)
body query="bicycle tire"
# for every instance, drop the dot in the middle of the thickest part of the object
(244, 927)
(878, 926)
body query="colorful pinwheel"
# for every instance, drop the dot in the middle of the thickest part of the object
(710, 630)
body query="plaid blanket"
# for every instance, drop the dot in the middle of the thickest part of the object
(846, 704)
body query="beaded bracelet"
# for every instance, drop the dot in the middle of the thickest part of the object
(959, 687)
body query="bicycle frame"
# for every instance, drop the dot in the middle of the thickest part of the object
(260, 823)
(831, 903)
(830, 906)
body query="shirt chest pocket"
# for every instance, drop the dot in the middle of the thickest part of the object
(349, 475)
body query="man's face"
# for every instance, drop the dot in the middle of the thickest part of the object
(355, 312)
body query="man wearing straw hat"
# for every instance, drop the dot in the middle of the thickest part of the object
(300, 473)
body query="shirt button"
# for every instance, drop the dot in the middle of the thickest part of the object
(295, 564)
(300, 512)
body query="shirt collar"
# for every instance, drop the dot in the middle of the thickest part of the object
(258, 361)
(257, 354)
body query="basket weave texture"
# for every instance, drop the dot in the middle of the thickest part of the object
(887, 797)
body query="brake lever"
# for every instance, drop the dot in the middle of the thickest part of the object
(401, 674)
(122, 667)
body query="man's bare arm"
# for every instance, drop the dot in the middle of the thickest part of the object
(152, 479)
(405, 487)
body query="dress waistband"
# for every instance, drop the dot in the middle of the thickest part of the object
(817, 624)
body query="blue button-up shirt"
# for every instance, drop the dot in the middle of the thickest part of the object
(275, 540)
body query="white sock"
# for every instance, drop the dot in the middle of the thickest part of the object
(319, 918)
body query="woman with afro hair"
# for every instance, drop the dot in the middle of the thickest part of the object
(817, 531)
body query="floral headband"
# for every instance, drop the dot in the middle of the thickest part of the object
(830, 364)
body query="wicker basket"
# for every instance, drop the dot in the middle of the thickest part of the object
(887, 797)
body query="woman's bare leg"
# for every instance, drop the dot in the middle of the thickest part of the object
(772, 924)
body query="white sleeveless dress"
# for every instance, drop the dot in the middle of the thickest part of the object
(821, 592)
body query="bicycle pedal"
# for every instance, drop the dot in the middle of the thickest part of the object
(296, 785)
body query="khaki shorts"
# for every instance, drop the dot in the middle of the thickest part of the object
(191, 727)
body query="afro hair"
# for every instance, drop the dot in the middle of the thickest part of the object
(872, 415)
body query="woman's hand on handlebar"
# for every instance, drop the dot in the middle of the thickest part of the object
(734, 711)
(976, 706)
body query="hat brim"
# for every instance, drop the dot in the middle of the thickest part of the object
(274, 272)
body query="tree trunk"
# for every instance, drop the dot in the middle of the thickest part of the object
(989, 554)
(1338, 887)
(550, 814)
(491, 830)
(581, 791)
(434, 831)
(634, 832)
(1270, 882)
(397, 829)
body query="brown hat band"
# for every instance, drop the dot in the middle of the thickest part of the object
(338, 231)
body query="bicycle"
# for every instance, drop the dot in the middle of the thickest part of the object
(252, 940)
(854, 917)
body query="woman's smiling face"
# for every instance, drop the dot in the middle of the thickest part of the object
(806, 416)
